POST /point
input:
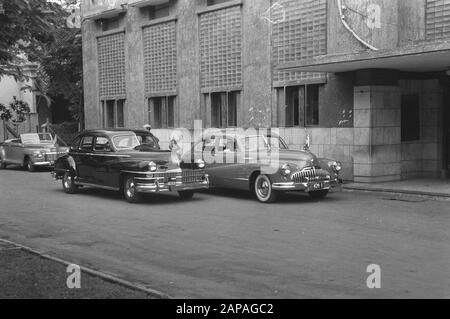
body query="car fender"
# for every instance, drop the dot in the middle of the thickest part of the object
(64, 164)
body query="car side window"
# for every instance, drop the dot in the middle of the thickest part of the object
(86, 144)
(102, 144)
(75, 144)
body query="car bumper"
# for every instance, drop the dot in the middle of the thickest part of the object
(44, 164)
(161, 187)
(332, 186)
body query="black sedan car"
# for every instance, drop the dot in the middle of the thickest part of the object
(127, 161)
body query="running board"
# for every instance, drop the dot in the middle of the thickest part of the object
(97, 186)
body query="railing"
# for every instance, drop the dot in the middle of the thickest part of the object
(10, 130)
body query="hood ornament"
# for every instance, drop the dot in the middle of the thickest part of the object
(307, 145)
(176, 147)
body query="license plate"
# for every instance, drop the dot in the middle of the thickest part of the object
(315, 187)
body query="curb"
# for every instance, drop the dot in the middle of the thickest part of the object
(92, 272)
(397, 191)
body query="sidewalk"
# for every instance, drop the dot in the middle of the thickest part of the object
(427, 187)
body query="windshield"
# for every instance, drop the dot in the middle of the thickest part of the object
(254, 143)
(277, 143)
(125, 142)
(45, 138)
(148, 141)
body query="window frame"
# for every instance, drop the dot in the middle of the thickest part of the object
(81, 147)
(224, 96)
(302, 91)
(166, 102)
(104, 113)
(101, 137)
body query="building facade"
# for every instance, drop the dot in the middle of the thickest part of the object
(366, 78)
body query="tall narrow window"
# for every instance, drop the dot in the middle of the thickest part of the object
(292, 106)
(113, 113)
(162, 112)
(233, 101)
(312, 105)
(298, 106)
(110, 113)
(224, 109)
(216, 109)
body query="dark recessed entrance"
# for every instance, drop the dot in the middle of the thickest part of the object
(446, 125)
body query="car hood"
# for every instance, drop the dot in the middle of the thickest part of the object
(160, 157)
(40, 146)
(298, 158)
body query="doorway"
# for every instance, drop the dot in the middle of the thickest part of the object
(446, 126)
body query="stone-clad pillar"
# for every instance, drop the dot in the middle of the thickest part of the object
(377, 122)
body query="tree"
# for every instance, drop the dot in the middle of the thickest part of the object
(25, 27)
(36, 31)
(63, 64)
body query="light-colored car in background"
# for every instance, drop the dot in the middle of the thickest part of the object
(235, 161)
(31, 151)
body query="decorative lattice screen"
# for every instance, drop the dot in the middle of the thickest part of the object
(111, 65)
(438, 19)
(160, 58)
(302, 35)
(220, 48)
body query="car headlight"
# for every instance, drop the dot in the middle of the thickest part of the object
(152, 167)
(201, 163)
(38, 154)
(286, 170)
(335, 166)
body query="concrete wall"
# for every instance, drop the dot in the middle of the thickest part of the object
(9, 88)
(340, 40)
(377, 152)
(422, 158)
(257, 62)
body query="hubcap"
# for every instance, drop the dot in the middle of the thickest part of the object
(130, 188)
(67, 181)
(263, 188)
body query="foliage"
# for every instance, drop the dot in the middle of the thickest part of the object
(5, 113)
(20, 108)
(16, 111)
(36, 31)
(63, 64)
(25, 27)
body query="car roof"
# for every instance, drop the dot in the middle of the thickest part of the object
(224, 132)
(116, 130)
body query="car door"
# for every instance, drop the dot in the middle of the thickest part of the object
(84, 161)
(232, 172)
(14, 153)
(104, 159)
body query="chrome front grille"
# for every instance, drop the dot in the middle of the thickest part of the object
(192, 177)
(311, 174)
(51, 157)
(186, 177)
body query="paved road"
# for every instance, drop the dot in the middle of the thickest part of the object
(227, 245)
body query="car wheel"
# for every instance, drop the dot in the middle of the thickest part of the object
(68, 183)
(2, 164)
(319, 194)
(263, 190)
(186, 194)
(130, 192)
(29, 165)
